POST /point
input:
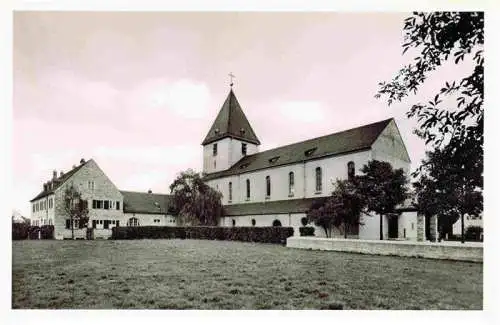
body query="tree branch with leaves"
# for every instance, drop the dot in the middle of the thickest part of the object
(76, 208)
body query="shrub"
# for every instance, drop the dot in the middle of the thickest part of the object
(304, 221)
(277, 235)
(47, 232)
(33, 232)
(306, 231)
(20, 231)
(473, 233)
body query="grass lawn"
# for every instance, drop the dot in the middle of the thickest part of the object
(197, 274)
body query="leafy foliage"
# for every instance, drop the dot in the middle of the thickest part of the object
(76, 208)
(382, 187)
(342, 208)
(196, 202)
(450, 184)
(450, 177)
(438, 37)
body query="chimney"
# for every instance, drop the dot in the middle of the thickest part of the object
(82, 161)
(61, 174)
(54, 174)
(45, 186)
(73, 167)
(149, 191)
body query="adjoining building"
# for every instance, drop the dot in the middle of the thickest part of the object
(108, 206)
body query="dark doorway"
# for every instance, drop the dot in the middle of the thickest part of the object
(94, 223)
(106, 224)
(393, 226)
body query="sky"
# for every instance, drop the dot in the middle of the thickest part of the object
(137, 92)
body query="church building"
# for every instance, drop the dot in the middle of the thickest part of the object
(277, 187)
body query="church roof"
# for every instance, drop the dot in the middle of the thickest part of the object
(356, 139)
(231, 122)
(58, 182)
(140, 202)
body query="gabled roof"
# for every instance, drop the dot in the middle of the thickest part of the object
(58, 182)
(356, 139)
(231, 122)
(140, 202)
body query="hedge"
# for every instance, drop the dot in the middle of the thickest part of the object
(277, 235)
(20, 231)
(306, 231)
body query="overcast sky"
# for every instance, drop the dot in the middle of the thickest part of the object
(138, 92)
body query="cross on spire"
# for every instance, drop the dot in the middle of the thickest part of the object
(231, 76)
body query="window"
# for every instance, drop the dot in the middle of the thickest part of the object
(244, 149)
(304, 221)
(276, 223)
(106, 205)
(319, 184)
(99, 204)
(268, 186)
(274, 159)
(412, 226)
(214, 149)
(234, 222)
(215, 164)
(133, 222)
(106, 224)
(248, 189)
(291, 183)
(68, 224)
(230, 191)
(94, 204)
(309, 152)
(350, 170)
(253, 222)
(33, 208)
(117, 205)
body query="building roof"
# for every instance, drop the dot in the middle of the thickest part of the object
(231, 122)
(58, 182)
(140, 202)
(302, 205)
(356, 139)
(271, 207)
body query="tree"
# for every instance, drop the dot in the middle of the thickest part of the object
(382, 187)
(455, 132)
(76, 208)
(450, 185)
(342, 208)
(194, 201)
(437, 37)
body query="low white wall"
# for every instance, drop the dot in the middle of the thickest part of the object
(102, 233)
(453, 251)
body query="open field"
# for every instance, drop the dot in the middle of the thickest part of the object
(197, 274)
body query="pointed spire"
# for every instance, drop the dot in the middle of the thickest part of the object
(231, 122)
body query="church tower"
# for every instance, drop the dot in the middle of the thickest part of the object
(230, 138)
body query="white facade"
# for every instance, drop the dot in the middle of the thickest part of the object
(226, 153)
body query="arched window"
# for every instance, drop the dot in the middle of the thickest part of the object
(319, 185)
(291, 183)
(276, 223)
(253, 222)
(268, 186)
(351, 171)
(248, 189)
(234, 222)
(230, 192)
(133, 222)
